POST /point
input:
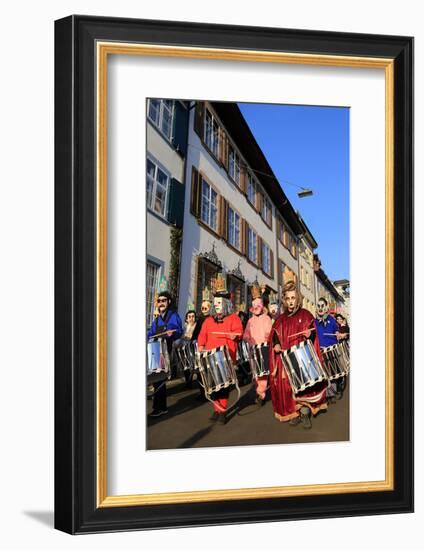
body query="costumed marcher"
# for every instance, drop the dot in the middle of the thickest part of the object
(256, 332)
(273, 308)
(205, 310)
(344, 330)
(167, 325)
(190, 323)
(328, 334)
(293, 326)
(221, 328)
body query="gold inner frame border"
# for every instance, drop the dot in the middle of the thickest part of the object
(103, 50)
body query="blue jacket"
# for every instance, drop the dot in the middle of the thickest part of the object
(325, 327)
(171, 321)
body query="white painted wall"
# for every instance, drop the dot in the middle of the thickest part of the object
(26, 278)
(197, 240)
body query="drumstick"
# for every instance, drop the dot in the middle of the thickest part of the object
(162, 333)
(299, 333)
(227, 333)
(330, 333)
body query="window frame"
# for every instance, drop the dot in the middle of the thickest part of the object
(236, 213)
(159, 125)
(215, 154)
(217, 217)
(255, 241)
(158, 166)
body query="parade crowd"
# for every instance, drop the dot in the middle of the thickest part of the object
(290, 355)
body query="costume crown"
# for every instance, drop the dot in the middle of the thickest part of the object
(256, 292)
(190, 306)
(163, 284)
(221, 285)
(206, 295)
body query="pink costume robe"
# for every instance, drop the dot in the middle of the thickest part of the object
(257, 331)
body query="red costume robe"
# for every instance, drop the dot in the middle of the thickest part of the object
(285, 405)
(208, 341)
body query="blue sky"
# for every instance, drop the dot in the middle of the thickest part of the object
(309, 146)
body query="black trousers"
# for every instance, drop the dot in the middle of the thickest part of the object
(159, 397)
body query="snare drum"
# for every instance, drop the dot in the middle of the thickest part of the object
(334, 362)
(158, 364)
(243, 352)
(216, 369)
(259, 360)
(303, 367)
(186, 355)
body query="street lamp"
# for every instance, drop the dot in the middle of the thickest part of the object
(305, 193)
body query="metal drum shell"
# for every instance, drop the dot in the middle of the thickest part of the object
(303, 367)
(216, 369)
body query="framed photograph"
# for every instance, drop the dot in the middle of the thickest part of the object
(234, 274)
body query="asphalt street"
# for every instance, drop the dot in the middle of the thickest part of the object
(187, 423)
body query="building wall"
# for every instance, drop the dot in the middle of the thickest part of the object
(307, 278)
(197, 239)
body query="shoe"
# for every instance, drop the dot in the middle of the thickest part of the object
(214, 416)
(295, 421)
(222, 418)
(259, 401)
(306, 421)
(339, 395)
(155, 414)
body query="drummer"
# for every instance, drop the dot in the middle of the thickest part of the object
(294, 325)
(257, 332)
(221, 328)
(167, 325)
(328, 334)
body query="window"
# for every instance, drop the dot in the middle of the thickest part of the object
(236, 289)
(251, 189)
(211, 136)
(234, 166)
(266, 259)
(233, 228)
(152, 274)
(281, 270)
(157, 188)
(206, 274)
(252, 252)
(209, 209)
(161, 112)
(266, 210)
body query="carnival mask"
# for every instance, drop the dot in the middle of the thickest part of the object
(206, 307)
(257, 306)
(217, 304)
(322, 308)
(290, 300)
(273, 310)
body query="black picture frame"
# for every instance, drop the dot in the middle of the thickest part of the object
(76, 509)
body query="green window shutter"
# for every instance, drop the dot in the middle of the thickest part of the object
(179, 134)
(176, 203)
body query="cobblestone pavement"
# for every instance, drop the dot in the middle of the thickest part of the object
(187, 423)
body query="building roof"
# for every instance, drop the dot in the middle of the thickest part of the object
(306, 232)
(239, 131)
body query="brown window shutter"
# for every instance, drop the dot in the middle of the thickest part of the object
(199, 115)
(259, 199)
(271, 257)
(259, 252)
(195, 193)
(243, 178)
(223, 217)
(244, 237)
(223, 147)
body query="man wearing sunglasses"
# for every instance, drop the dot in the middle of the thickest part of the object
(167, 325)
(328, 334)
